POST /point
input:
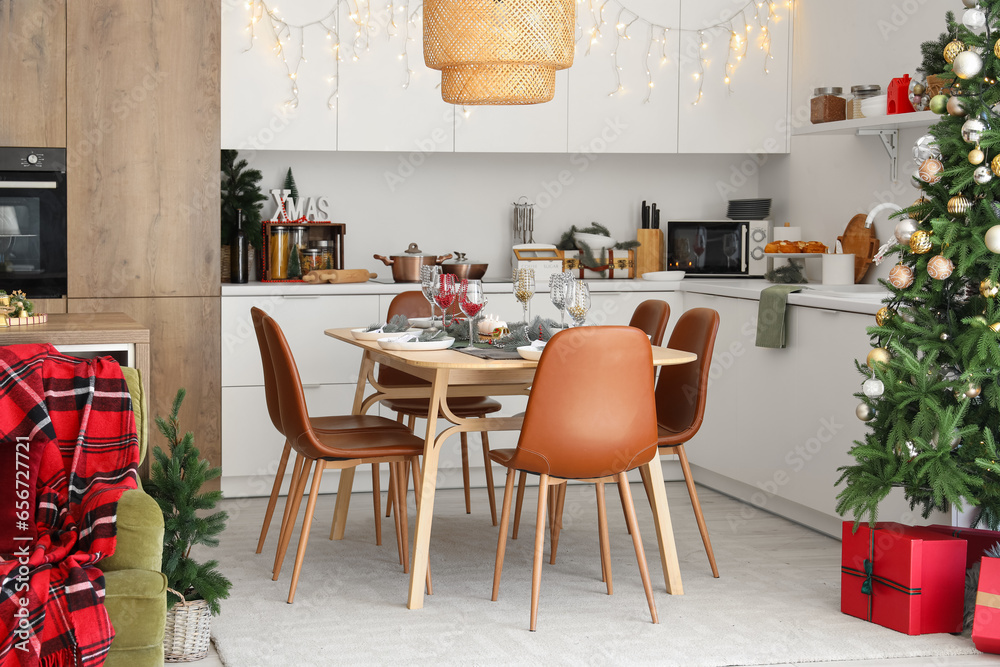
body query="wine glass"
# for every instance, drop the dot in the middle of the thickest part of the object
(471, 300)
(429, 283)
(557, 293)
(524, 288)
(578, 301)
(444, 295)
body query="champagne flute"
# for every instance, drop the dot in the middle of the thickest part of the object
(471, 300)
(429, 283)
(524, 289)
(578, 301)
(444, 295)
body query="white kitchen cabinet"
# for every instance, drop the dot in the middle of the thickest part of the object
(754, 117)
(604, 121)
(531, 128)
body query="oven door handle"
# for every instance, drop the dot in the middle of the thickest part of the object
(28, 185)
(746, 247)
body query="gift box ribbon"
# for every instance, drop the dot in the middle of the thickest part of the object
(991, 600)
(869, 578)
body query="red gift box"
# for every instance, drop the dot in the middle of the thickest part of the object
(979, 541)
(986, 627)
(909, 579)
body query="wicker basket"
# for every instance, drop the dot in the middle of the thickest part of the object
(188, 632)
(225, 257)
(498, 53)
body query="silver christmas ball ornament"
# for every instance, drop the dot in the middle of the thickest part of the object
(925, 147)
(982, 175)
(904, 230)
(992, 239)
(956, 106)
(944, 336)
(864, 412)
(970, 3)
(967, 64)
(873, 388)
(974, 19)
(972, 130)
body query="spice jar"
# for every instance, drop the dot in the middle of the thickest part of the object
(327, 250)
(279, 246)
(312, 260)
(859, 93)
(828, 105)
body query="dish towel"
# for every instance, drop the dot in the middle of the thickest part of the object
(771, 315)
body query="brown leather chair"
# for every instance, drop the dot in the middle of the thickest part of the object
(338, 424)
(327, 449)
(681, 392)
(413, 304)
(571, 431)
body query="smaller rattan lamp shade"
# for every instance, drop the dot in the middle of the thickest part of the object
(498, 51)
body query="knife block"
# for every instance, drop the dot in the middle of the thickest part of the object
(649, 254)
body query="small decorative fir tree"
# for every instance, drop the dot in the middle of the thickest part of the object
(241, 190)
(931, 390)
(175, 484)
(290, 185)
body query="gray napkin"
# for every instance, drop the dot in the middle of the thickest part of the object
(771, 315)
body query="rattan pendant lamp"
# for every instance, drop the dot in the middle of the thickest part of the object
(498, 51)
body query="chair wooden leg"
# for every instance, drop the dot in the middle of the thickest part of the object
(464, 438)
(622, 497)
(647, 485)
(536, 567)
(343, 502)
(557, 510)
(699, 517)
(411, 422)
(522, 480)
(389, 499)
(300, 554)
(508, 492)
(293, 514)
(296, 471)
(377, 502)
(602, 536)
(488, 465)
(279, 477)
(404, 519)
(640, 554)
(393, 483)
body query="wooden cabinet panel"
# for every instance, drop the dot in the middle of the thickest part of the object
(33, 73)
(143, 126)
(184, 352)
(50, 305)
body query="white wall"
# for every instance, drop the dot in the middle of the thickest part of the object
(450, 202)
(826, 180)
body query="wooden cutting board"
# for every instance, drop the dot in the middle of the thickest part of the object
(861, 241)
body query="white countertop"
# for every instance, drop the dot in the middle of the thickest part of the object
(866, 299)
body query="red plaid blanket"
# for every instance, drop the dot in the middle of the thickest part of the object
(75, 419)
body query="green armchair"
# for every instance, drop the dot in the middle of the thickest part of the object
(136, 590)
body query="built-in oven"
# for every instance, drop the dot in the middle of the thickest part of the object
(33, 221)
(717, 248)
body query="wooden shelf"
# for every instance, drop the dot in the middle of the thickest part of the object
(894, 122)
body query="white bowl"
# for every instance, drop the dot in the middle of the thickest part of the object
(361, 334)
(875, 106)
(530, 353)
(663, 275)
(595, 242)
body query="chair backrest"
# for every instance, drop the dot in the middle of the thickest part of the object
(412, 304)
(270, 391)
(682, 390)
(651, 316)
(574, 426)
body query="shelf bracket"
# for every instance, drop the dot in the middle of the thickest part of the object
(890, 141)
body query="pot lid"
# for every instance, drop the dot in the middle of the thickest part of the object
(414, 251)
(460, 258)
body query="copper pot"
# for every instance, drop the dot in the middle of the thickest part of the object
(464, 269)
(406, 265)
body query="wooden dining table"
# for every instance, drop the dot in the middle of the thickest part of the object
(454, 373)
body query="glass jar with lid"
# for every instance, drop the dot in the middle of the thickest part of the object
(827, 105)
(311, 260)
(859, 93)
(278, 246)
(327, 250)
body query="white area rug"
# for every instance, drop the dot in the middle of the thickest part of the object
(777, 601)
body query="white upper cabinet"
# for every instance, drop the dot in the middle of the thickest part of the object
(753, 118)
(375, 112)
(529, 128)
(259, 110)
(624, 114)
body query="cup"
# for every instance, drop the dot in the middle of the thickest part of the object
(838, 269)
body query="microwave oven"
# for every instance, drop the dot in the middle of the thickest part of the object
(717, 248)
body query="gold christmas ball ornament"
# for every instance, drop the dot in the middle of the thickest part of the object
(959, 205)
(919, 89)
(995, 165)
(972, 390)
(989, 288)
(976, 156)
(992, 239)
(920, 242)
(956, 106)
(995, 326)
(952, 50)
(930, 170)
(900, 276)
(878, 355)
(996, 49)
(882, 316)
(864, 412)
(940, 267)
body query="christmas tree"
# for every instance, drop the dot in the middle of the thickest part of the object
(930, 391)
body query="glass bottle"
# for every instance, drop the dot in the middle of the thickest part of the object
(239, 271)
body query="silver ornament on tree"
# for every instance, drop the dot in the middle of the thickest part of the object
(967, 64)
(864, 412)
(972, 130)
(873, 388)
(992, 239)
(956, 106)
(970, 3)
(982, 175)
(926, 147)
(904, 229)
(974, 18)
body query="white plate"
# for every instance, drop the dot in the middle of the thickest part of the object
(530, 353)
(361, 334)
(663, 275)
(393, 344)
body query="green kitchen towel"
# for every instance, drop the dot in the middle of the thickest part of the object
(771, 315)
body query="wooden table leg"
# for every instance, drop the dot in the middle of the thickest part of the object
(425, 508)
(347, 475)
(664, 529)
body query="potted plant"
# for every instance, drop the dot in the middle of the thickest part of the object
(194, 589)
(240, 190)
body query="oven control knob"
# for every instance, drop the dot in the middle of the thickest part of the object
(757, 253)
(32, 158)
(758, 234)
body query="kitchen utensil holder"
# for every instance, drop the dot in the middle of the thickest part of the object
(524, 221)
(649, 254)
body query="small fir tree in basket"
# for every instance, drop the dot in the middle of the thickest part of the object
(175, 483)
